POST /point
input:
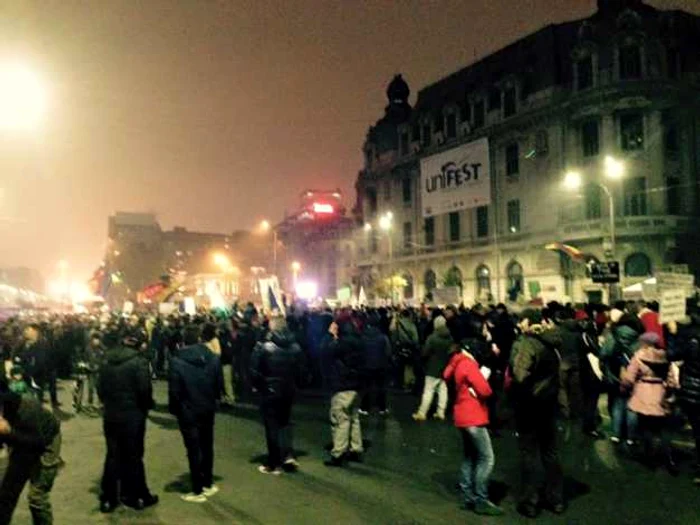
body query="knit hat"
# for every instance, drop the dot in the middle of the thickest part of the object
(532, 315)
(439, 322)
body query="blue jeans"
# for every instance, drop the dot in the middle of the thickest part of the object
(624, 421)
(477, 465)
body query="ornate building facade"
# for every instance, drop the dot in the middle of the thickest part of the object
(611, 102)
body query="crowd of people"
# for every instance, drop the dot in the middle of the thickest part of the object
(538, 372)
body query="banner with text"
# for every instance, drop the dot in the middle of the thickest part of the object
(456, 179)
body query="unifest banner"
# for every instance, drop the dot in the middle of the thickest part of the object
(456, 179)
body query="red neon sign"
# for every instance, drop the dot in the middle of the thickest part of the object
(322, 208)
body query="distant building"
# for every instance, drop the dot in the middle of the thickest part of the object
(310, 236)
(617, 93)
(141, 253)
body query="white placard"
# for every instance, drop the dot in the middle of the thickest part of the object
(676, 281)
(456, 179)
(672, 306)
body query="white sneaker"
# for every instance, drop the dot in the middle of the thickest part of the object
(267, 470)
(210, 491)
(194, 498)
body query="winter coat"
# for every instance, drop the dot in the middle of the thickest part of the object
(571, 342)
(686, 347)
(650, 320)
(535, 366)
(124, 385)
(348, 360)
(277, 365)
(470, 409)
(33, 427)
(437, 351)
(648, 376)
(617, 351)
(195, 382)
(405, 336)
(377, 349)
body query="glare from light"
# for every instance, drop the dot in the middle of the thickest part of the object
(265, 225)
(62, 265)
(572, 180)
(614, 169)
(23, 99)
(368, 227)
(390, 215)
(322, 208)
(222, 261)
(296, 266)
(385, 222)
(307, 290)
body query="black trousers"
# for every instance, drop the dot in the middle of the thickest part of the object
(19, 469)
(693, 415)
(376, 390)
(198, 436)
(537, 430)
(276, 414)
(124, 475)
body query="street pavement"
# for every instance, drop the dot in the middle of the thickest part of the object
(409, 476)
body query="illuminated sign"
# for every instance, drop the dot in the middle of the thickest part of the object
(322, 208)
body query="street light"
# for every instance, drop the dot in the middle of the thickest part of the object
(222, 261)
(368, 227)
(296, 268)
(266, 226)
(614, 169)
(572, 180)
(22, 97)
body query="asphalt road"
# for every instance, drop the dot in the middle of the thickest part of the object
(409, 476)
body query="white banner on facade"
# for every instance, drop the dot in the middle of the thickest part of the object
(456, 179)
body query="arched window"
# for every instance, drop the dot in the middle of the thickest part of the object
(408, 289)
(453, 277)
(430, 281)
(516, 282)
(638, 265)
(483, 280)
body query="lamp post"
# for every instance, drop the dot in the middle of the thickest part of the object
(386, 223)
(614, 169)
(266, 227)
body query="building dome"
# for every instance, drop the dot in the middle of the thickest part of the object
(398, 91)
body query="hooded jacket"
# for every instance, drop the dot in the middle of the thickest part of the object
(437, 351)
(649, 376)
(195, 382)
(617, 351)
(535, 366)
(276, 365)
(124, 385)
(470, 408)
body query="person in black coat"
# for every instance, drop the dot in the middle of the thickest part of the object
(684, 345)
(377, 360)
(194, 388)
(276, 367)
(124, 386)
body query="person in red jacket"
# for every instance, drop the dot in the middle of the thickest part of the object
(471, 416)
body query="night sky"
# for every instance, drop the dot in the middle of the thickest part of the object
(216, 114)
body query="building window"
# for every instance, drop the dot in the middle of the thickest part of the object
(453, 277)
(371, 201)
(592, 199)
(516, 282)
(590, 138)
(454, 226)
(387, 190)
(403, 143)
(512, 160)
(494, 99)
(584, 73)
(630, 62)
(514, 216)
(672, 63)
(635, 194)
(439, 123)
(673, 196)
(482, 221)
(406, 190)
(479, 114)
(483, 281)
(451, 125)
(638, 265)
(542, 142)
(430, 282)
(408, 288)
(465, 112)
(671, 142)
(427, 135)
(429, 231)
(632, 131)
(509, 102)
(415, 133)
(407, 235)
